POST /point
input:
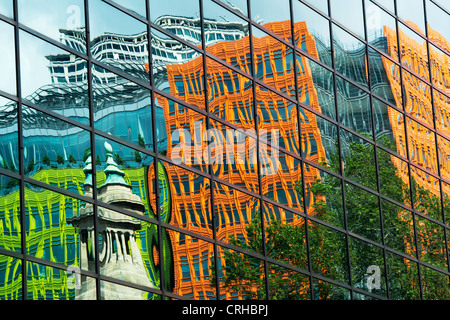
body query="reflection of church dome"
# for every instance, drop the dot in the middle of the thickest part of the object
(119, 254)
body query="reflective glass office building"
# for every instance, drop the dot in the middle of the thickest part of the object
(224, 149)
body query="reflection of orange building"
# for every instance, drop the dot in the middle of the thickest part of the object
(417, 102)
(230, 97)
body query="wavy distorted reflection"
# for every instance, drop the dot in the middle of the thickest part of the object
(58, 153)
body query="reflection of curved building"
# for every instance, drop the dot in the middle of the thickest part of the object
(231, 98)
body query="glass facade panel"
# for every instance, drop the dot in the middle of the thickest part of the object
(53, 78)
(61, 21)
(10, 278)
(8, 60)
(224, 150)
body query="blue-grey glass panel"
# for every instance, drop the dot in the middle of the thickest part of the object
(319, 140)
(7, 8)
(438, 22)
(341, 10)
(413, 13)
(237, 5)
(322, 5)
(136, 6)
(9, 139)
(444, 4)
(383, 76)
(380, 25)
(350, 56)
(179, 17)
(122, 108)
(273, 15)
(54, 150)
(53, 78)
(389, 127)
(323, 81)
(8, 59)
(118, 40)
(354, 107)
(60, 20)
(387, 4)
(312, 32)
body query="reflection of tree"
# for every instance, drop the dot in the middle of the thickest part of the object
(328, 250)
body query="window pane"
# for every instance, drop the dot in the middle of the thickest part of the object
(118, 40)
(122, 108)
(10, 222)
(312, 32)
(178, 17)
(328, 250)
(10, 278)
(8, 59)
(274, 16)
(60, 20)
(53, 78)
(285, 284)
(55, 151)
(9, 139)
(237, 218)
(240, 276)
(51, 234)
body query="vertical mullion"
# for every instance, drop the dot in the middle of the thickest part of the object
(411, 194)
(156, 156)
(93, 152)
(374, 137)
(258, 161)
(441, 192)
(350, 282)
(210, 167)
(21, 152)
(306, 223)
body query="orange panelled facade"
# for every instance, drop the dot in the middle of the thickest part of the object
(418, 103)
(231, 98)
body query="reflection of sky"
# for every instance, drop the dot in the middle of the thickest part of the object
(138, 6)
(7, 58)
(48, 16)
(105, 18)
(6, 8)
(349, 13)
(174, 7)
(33, 64)
(270, 11)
